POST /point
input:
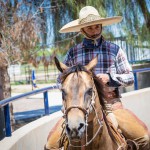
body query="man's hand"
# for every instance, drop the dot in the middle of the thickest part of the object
(103, 77)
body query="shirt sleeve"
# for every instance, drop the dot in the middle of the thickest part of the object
(124, 75)
(68, 58)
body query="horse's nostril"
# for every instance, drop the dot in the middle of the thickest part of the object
(67, 128)
(81, 125)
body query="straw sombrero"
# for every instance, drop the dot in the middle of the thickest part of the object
(88, 16)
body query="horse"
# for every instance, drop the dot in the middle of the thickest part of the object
(83, 98)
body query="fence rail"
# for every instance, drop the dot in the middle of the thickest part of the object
(136, 78)
(5, 103)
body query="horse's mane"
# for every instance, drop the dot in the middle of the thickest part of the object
(100, 89)
(98, 83)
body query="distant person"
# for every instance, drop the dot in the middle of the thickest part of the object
(113, 69)
(33, 78)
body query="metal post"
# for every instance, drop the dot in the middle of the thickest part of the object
(7, 120)
(135, 81)
(2, 124)
(46, 103)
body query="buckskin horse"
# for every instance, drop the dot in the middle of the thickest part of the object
(86, 125)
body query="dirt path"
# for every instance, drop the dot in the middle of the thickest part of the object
(32, 102)
(26, 88)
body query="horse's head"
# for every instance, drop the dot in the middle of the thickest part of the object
(78, 94)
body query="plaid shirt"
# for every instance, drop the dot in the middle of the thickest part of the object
(111, 60)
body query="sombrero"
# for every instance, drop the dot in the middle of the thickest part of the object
(88, 16)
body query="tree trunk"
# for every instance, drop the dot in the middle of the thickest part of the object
(145, 12)
(5, 91)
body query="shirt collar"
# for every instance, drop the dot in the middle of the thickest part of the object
(90, 43)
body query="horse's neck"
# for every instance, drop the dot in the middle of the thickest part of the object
(96, 113)
(103, 138)
(98, 108)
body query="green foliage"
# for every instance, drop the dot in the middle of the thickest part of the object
(136, 17)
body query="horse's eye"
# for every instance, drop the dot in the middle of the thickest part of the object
(89, 92)
(63, 94)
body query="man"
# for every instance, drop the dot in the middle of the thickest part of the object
(112, 68)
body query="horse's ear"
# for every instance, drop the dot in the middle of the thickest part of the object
(92, 63)
(60, 66)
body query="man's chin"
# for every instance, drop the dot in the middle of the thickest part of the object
(95, 36)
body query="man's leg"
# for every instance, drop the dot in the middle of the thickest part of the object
(132, 128)
(54, 136)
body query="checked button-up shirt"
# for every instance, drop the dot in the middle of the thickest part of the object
(111, 60)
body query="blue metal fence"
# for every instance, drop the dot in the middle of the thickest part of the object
(135, 72)
(5, 103)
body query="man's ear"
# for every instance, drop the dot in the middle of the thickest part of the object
(60, 66)
(92, 63)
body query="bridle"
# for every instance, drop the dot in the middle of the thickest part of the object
(86, 112)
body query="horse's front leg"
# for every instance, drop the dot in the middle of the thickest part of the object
(55, 137)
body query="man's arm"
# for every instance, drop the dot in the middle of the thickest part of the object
(124, 75)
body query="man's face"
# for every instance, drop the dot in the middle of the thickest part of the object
(93, 31)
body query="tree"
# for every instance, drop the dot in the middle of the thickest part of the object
(18, 39)
(144, 8)
(136, 16)
(61, 13)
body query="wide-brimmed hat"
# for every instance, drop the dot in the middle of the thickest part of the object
(88, 16)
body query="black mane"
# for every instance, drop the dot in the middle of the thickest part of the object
(73, 69)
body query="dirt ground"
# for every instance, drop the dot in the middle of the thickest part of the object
(30, 103)
(26, 88)
(30, 108)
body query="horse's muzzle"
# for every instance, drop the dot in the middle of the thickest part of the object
(75, 133)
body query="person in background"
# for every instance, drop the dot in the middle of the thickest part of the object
(113, 69)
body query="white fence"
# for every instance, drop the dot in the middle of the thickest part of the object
(14, 70)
